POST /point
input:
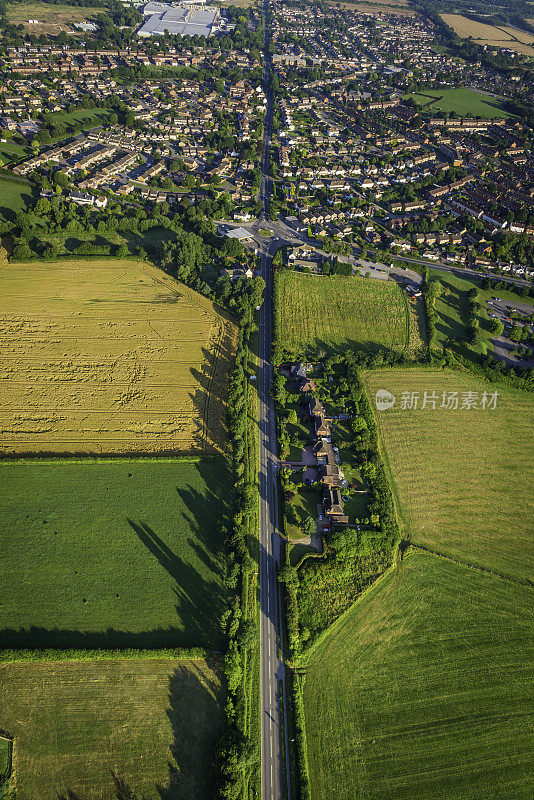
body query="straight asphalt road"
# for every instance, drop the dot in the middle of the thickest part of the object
(273, 735)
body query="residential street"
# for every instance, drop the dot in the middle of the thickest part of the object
(283, 234)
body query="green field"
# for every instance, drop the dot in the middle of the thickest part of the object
(98, 730)
(11, 151)
(453, 309)
(6, 747)
(423, 690)
(66, 243)
(323, 314)
(113, 554)
(461, 101)
(461, 477)
(15, 196)
(88, 116)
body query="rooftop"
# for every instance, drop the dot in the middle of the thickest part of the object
(178, 20)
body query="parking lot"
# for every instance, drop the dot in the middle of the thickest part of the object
(503, 346)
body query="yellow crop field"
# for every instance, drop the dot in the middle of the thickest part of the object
(512, 44)
(464, 27)
(104, 357)
(512, 38)
(521, 36)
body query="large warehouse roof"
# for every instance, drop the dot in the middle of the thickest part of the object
(181, 20)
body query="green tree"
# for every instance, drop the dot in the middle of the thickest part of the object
(61, 179)
(288, 575)
(122, 251)
(292, 417)
(248, 634)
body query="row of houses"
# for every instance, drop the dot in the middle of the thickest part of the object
(329, 473)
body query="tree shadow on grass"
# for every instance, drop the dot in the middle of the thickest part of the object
(200, 601)
(27, 199)
(200, 595)
(41, 638)
(209, 400)
(195, 715)
(210, 513)
(68, 794)
(191, 771)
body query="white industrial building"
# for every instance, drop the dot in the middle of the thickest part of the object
(178, 20)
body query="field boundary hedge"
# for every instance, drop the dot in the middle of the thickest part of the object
(72, 256)
(132, 654)
(237, 754)
(117, 458)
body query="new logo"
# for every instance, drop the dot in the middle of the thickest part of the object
(384, 400)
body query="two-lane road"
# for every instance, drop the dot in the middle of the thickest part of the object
(273, 736)
(272, 670)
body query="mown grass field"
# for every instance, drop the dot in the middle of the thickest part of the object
(462, 101)
(453, 311)
(452, 308)
(99, 730)
(461, 477)
(15, 197)
(11, 151)
(423, 690)
(112, 554)
(88, 116)
(110, 356)
(333, 313)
